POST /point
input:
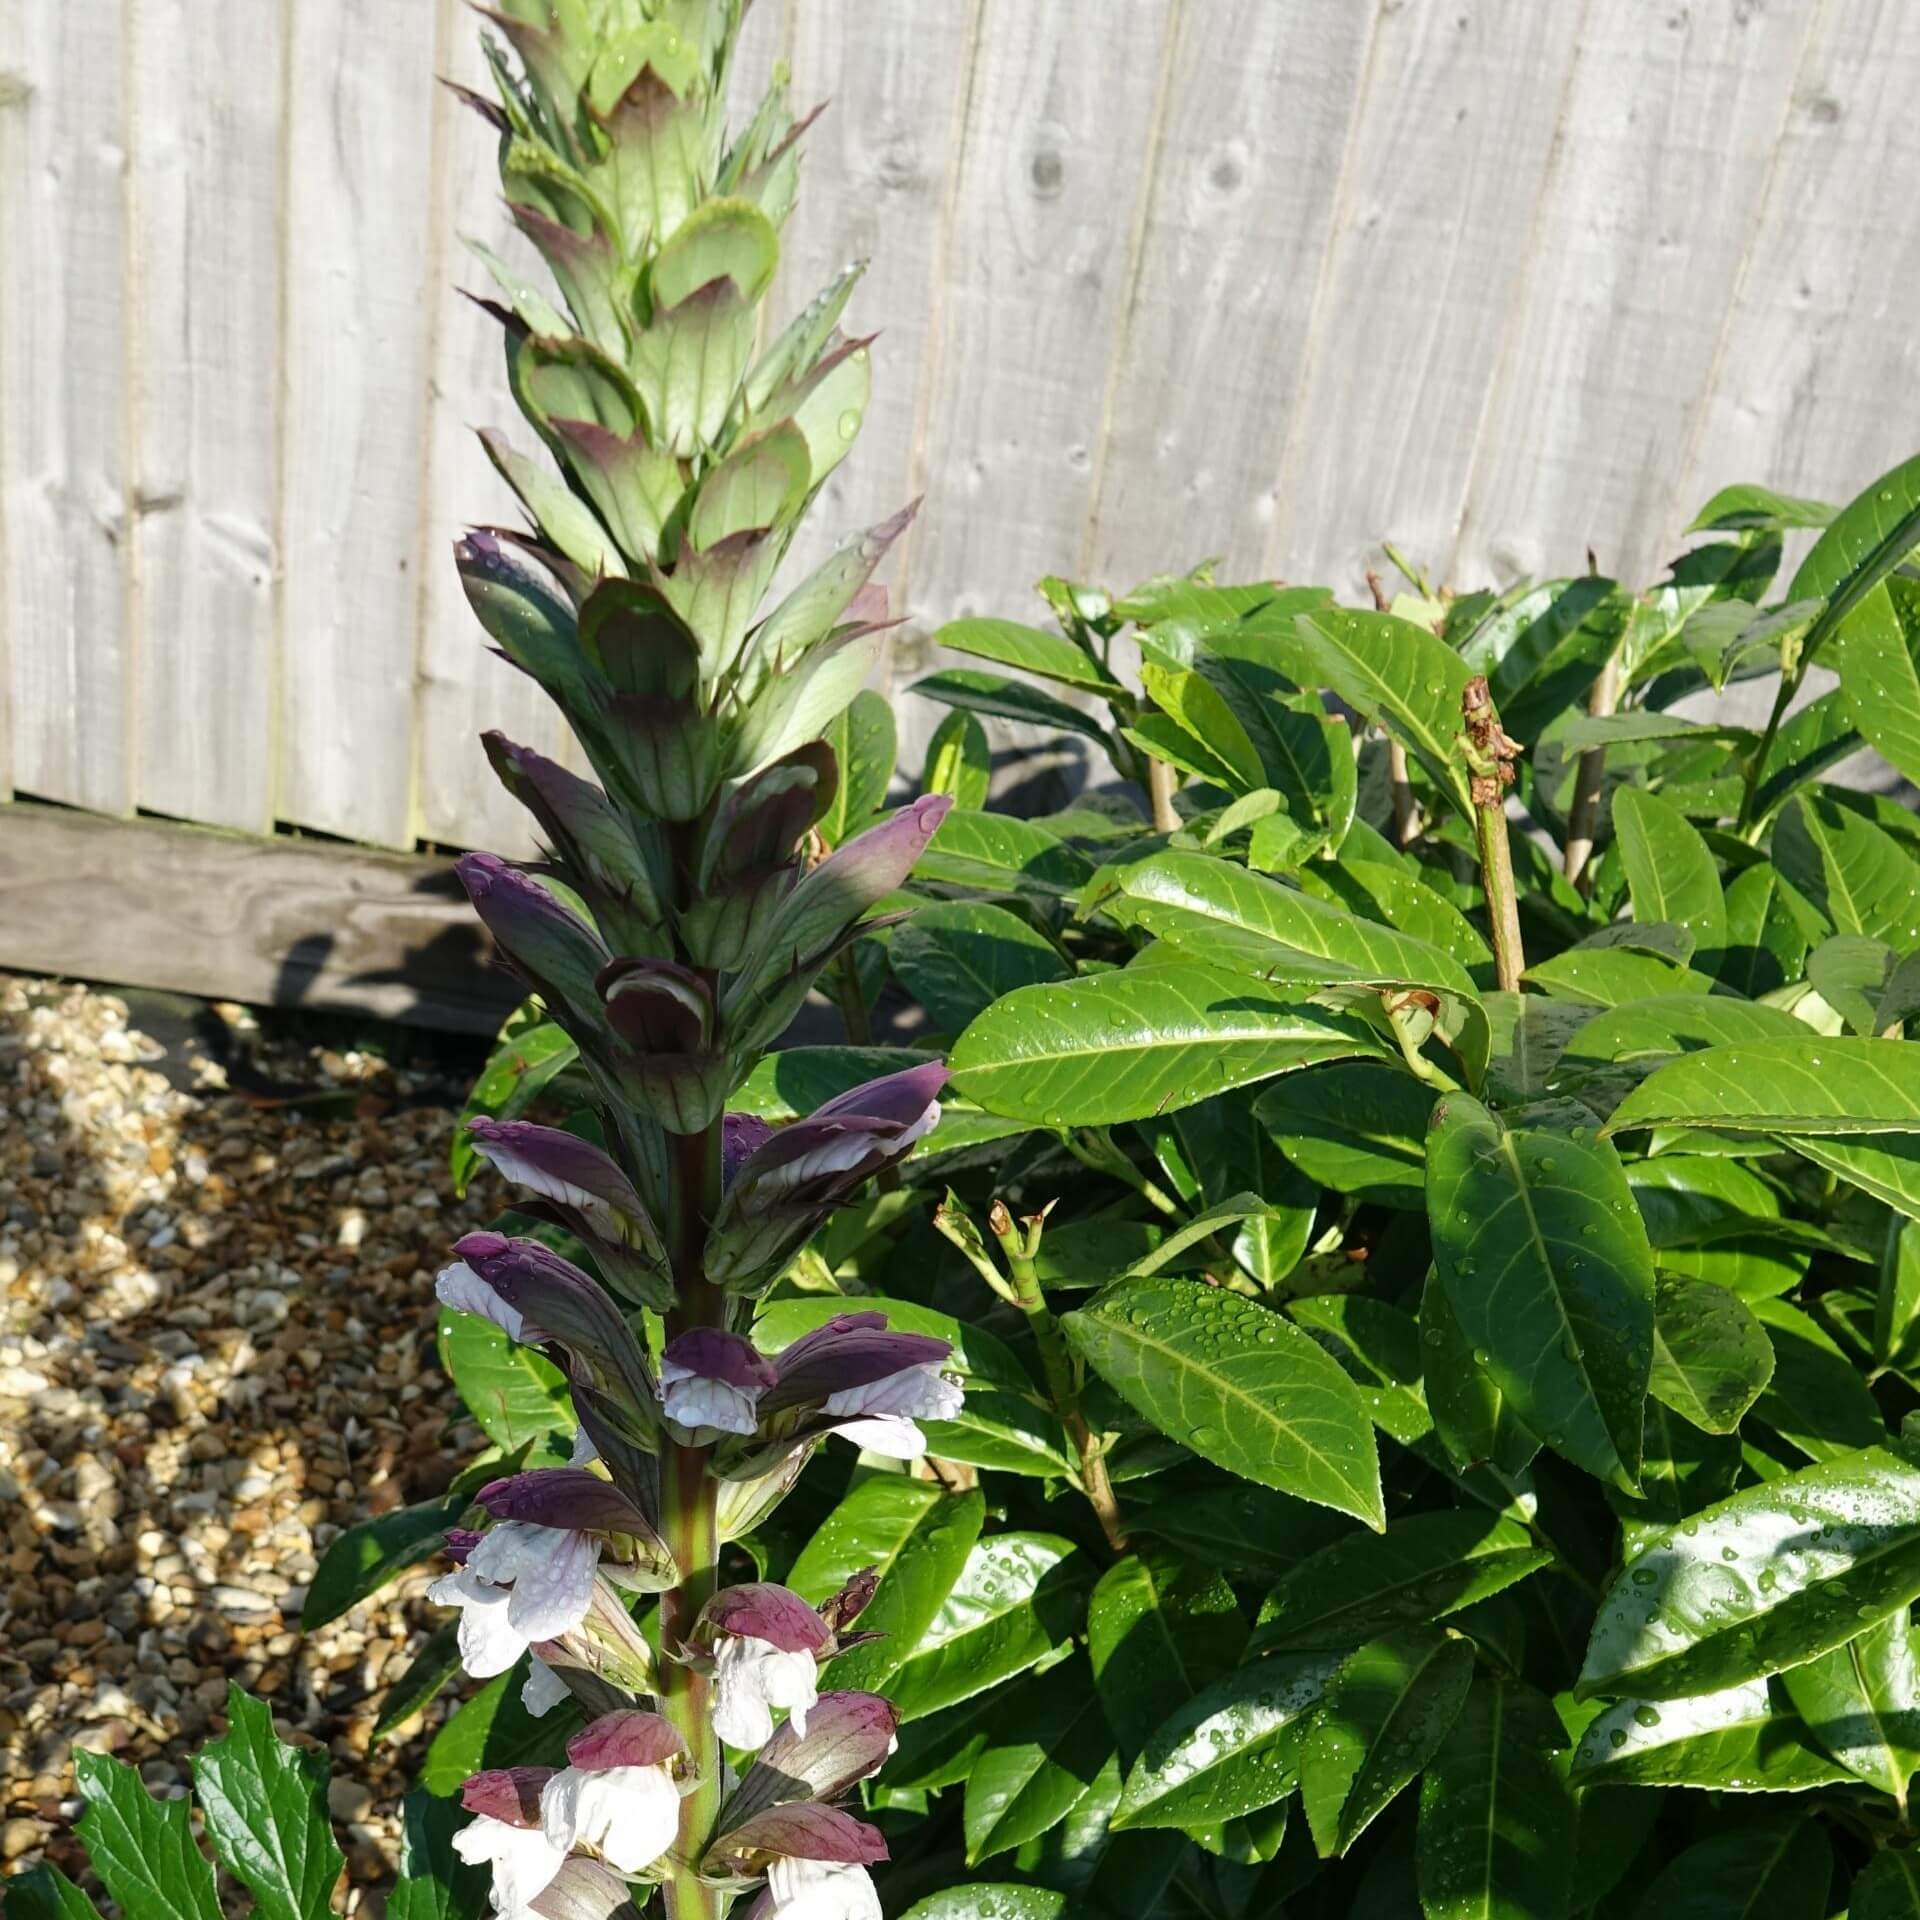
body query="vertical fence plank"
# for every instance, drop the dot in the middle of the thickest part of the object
(353, 455)
(1819, 333)
(1452, 137)
(1671, 120)
(207, 181)
(873, 187)
(65, 586)
(464, 688)
(1060, 124)
(1258, 106)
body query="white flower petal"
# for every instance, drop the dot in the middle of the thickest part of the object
(584, 1453)
(630, 1815)
(750, 1678)
(693, 1400)
(821, 1890)
(459, 1286)
(892, 1439)
(543, 1689)
(489, 1641)
(523, 1859)
(553, 1595)
(914, 1393)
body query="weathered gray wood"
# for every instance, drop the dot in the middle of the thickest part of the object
(1154, 279)
(278, 922)
(1259, 102)
(1438, 196)
(1671, 121)
(66, 582)
(367, 281)
(463, 689)
(1813, 341)
(206, 179)
(1049, 198)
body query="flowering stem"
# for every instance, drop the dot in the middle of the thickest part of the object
(691, 1529)
(1056, 1362)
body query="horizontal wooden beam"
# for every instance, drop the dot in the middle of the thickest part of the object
(281, 922)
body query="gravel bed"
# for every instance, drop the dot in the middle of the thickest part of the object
(215, 1352)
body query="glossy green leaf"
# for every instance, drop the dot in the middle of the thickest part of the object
(426, 1677)
(1382, 1719)
(1751, 509)
(1471, 1416)
(1816, 1398)
(1711, 1357)
(1421, 1569)
(1743, 1739)
(362, 1559)
(1496, 1819)
(1644, 1034)
(959, 761)
(982, 1900)
(1031, 649)
(141, 1848)
(1228, 1751)
(1896, 1319)
(1224, 912)
(1888, 1888)
(1251, 1530)
(1768, 932)
(265, 1805)
(1359, 1127)
(999, 698)
(1848, 972)
(1813, 740)
(998, 852)
(1198, 708)
(918, 1568)
(1861, 1705)
(1670, 874)
(530, 1053)
(516, 1393)
(1122, 1046)
(1159, 1629)
(1812, 1086)
(1857, 874)
(863, 742)
(1781, 1871)
(1613, 976)
(956, 959)
(1400, 674)
(1771, 1578)
(1238, 1385)
(1861, 545)
(1874, 653)
(1042, 1759)
(1396, 897)
(1548, 1271)
(1016, 1598)
(45, 1893)
(1885, 1165)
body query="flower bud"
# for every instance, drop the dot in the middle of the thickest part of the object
(551, 948)
(711, 1382)
(664, 1014)
(784, 1188)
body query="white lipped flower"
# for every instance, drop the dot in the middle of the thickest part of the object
(881, 1416)
(505, 1835)
(820, 1890)
(712, 1380)
(521, 1583)
(617, 1794)
(629, 1815)
(543, 1689)
(751, 1677)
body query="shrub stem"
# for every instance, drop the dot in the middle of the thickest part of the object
(1490, 755)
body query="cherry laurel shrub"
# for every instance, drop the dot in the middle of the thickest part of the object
(1356, 1361)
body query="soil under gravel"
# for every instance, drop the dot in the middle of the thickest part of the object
(216, 1351)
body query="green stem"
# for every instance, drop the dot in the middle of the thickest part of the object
(690, 1526)
(1105, 1157)
(1417, 1062)
(1062, 1378)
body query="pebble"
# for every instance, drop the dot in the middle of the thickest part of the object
(216, 1353)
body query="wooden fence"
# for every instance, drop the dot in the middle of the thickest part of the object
(1156, 279)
